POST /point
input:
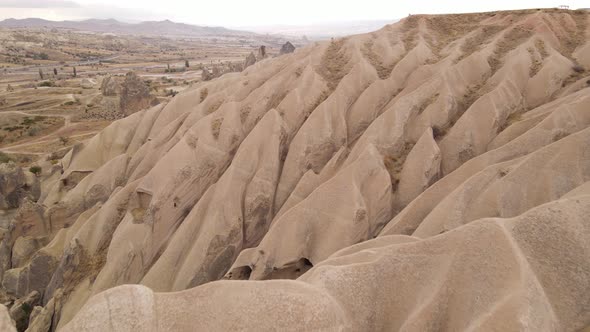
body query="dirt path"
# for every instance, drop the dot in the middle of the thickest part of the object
(21, 148)
(50, 137)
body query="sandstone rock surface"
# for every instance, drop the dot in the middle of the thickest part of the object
(432, 175)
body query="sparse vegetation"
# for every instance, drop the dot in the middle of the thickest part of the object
(46, 84)
(33, 131)
(334, 63)
(35, 170)
(4, 158)
(578, 68)
(203, 95)
(64, 140)
(216, 127)
(171, 92)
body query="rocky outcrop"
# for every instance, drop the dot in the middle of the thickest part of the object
(21, 309)
(135, 95)
(46, 318)
(6, 323)
(16, 184)
(287, 48)
(393, 283)
(250, 60)
(261, 53)
(110, 86)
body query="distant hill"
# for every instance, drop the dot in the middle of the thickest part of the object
(161, 28)
(323, 30)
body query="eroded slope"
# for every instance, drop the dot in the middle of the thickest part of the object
(432, 175)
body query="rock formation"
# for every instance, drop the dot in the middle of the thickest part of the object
(16, 184)
(250, 60)
(6, 323)
(287, 48)
(135, 95)
(432, 175)
(261, 53)
(110, 86)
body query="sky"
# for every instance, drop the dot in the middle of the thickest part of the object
(241, 13)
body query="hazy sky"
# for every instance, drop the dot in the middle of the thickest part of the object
(234, 13)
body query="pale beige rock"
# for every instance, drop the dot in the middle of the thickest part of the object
(6, 323)
(349, 208)
(495, 286)
(432, 175)
(421, 169)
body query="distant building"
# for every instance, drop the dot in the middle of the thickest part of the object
(564, 7)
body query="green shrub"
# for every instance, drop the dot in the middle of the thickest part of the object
(33, 131)
(4, 158)
(28, 121)
(46, 83)
(35, 170)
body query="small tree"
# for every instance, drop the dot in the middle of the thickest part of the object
(55, 71)
(186, 64)
(64, 140)
(75, 74)
(35, 170)
(40, 73)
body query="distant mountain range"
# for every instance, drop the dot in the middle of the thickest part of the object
(323, 30)
(160, 28)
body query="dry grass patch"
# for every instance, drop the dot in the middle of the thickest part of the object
(410, 32)
(510, 40)
(578, 36)
(214, 107)
(244, 112)
(537, 65)
(481, 37)
(395, 164)
(335, 63)
(448, 28)
(383, 71)
(203, 95)
(216, 127)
